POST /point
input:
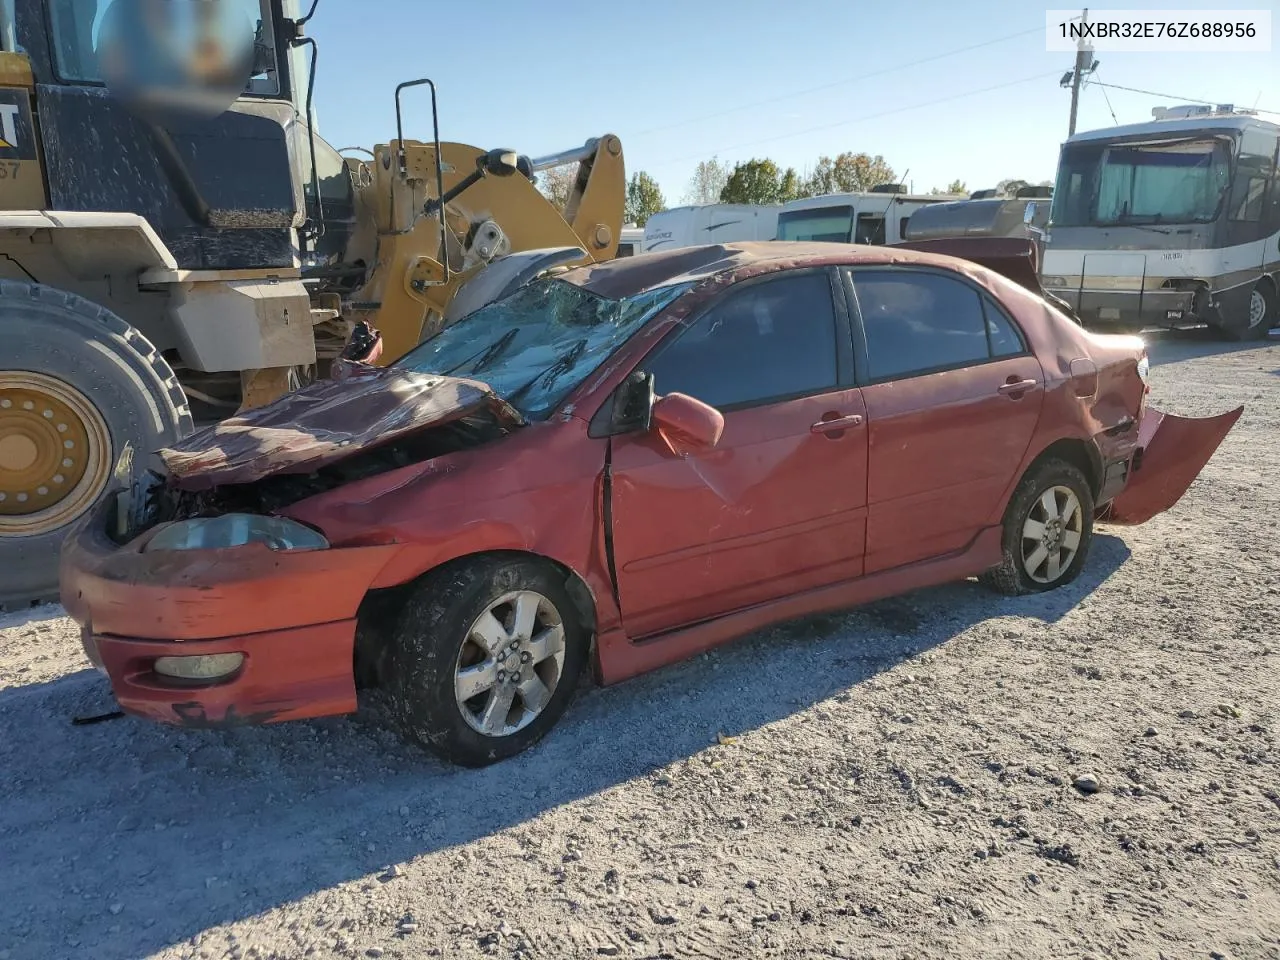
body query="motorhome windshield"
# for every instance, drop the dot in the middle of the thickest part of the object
(824, 224)
(1147, 182)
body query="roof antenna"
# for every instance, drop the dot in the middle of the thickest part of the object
(884, 214)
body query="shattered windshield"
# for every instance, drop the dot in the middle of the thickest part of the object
(539, 343)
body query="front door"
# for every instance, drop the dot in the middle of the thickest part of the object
(779, 505)
(953, 397)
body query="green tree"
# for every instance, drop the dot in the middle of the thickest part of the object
(760, 181)
(707, 182)
(644, 199)
(956, 187)
(847, 173)
(791, 186)
(1010, 188)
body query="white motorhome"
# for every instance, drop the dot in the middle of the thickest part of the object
(712, 223)
(1171, 222)
(878, 216)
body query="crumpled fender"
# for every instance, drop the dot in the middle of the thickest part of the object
(1172, 452)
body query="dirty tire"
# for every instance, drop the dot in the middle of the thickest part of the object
(418, 671)
(1010, 577)
(49, 331)
(1266, 294)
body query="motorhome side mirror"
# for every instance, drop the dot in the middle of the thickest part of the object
(687, 424)
(1029, 213)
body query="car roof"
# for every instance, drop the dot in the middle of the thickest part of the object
(630, 276)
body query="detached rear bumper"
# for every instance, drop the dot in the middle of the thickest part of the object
(1171, 452)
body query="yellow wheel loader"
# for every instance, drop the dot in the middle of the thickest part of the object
(157, 262)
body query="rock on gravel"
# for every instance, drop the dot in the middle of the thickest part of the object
(1087, 783)
(797, 815)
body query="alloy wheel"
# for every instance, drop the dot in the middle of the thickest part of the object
(1051, 534)
(510, 663)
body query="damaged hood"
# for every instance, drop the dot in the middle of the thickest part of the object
(324, 422)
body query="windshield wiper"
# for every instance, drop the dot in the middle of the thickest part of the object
(489, 354)
(562, 366)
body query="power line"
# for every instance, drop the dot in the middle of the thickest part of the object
(1169, 96)
(844, 123)
(840, 83)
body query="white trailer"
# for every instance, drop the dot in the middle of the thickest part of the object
(712, 223)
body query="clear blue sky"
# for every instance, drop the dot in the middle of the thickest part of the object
(688, 80)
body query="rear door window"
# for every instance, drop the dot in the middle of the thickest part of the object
(918, 322)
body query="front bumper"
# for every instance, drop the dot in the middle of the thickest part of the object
(286, 675)
(1129, 308)
(291, 614)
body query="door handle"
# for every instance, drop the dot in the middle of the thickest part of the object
(1017, 386)
(836, 423)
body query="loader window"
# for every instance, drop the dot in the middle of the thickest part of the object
(76, 24)
(8, 29)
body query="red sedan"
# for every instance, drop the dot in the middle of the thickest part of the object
(620, 466)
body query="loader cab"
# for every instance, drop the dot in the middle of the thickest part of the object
(225, 192)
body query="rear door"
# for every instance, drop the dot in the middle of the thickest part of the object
(779, 505)
(953, 396)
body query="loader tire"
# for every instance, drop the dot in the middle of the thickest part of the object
(77, 383)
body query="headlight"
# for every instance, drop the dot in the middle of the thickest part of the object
(237, 530)
(1053, 281)
(1144, 369)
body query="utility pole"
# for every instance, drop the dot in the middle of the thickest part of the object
(1084, 55)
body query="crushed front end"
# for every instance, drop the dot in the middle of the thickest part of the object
(203, 603)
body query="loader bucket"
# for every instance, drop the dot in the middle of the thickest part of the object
(1173, 451)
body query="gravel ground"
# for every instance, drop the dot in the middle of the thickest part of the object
(909, 780)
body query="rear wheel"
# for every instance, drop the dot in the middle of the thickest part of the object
(484, 659)
(76, 384)
(1048, 527)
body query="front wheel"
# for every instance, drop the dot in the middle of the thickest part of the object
(485, 657)
(1047, 530)
(1262, 314)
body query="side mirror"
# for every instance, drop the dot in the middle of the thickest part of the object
(687, 424)
(633, 404)
(1029, 213)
